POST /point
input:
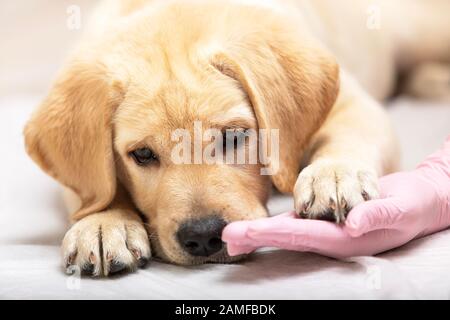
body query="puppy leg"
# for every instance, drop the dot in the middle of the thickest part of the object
(107, 242)
(346, 156)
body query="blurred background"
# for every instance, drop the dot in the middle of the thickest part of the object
(35, 40)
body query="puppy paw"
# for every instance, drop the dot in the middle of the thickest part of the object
(328, 190)
(106, 243)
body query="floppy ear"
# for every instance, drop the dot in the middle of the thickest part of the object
(69, 136)
(291, 85)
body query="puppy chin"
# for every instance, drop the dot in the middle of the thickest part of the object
(181, 258)
(220, 258)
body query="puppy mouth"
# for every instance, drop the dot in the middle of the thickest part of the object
(220, 257)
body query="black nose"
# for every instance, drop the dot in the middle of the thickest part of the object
(201, 237)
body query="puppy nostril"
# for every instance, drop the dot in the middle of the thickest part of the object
(191, 244)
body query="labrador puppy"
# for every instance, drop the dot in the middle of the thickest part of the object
(313, 70)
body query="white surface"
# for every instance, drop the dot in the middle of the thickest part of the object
(33, 222)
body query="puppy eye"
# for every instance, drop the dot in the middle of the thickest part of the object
(143, 156)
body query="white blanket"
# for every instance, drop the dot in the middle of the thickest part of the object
(33, 222)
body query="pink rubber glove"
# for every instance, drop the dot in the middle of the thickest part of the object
(412, 205)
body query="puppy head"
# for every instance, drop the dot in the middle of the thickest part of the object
(110, 122)
(185, 201)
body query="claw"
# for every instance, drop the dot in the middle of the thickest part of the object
(142, 262)
(136, 253)
(116, 267)
(365, 195)
(92, 258)
(70, 260)
(88, 268)
(332, 204)
(343, 205)
(329, 215)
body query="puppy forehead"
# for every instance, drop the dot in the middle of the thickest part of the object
(142, 118)
(137, 120)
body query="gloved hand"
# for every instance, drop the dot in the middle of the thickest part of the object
(412, 204)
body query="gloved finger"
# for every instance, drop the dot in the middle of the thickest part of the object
(236, 232)
(236, 249)
(326, 238)
(374, 215)
(369, 244)
(238, 240)
(296, 234)
(236, 237)
(320, 237)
